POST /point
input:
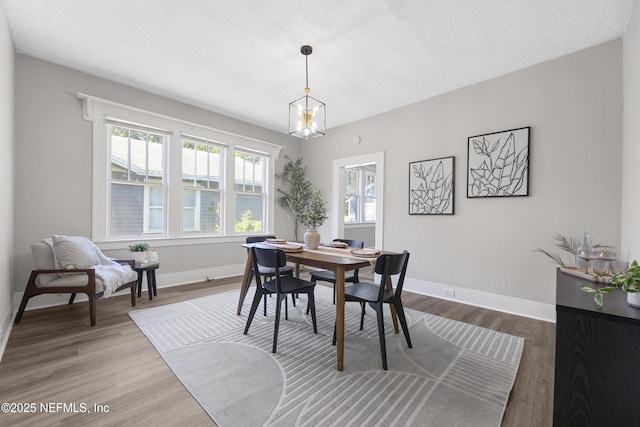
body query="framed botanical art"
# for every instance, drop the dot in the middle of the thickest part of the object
(431, 187)
(498, 164)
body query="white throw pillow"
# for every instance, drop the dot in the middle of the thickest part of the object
(74, 252)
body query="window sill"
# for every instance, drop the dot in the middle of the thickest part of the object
(172, 241)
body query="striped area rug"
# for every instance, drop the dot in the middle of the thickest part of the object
(456, 374)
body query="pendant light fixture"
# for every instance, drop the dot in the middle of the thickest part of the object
(307, 115)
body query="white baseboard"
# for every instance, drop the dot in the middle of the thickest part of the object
(518, 306)
(5, 329)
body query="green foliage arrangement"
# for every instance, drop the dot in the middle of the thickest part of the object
(139, 247)
(628, 281)
(566, 244)
(295, 192)
(315, 213)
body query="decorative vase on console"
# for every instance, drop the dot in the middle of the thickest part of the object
(314, 215)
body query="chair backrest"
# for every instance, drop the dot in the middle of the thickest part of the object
(358, 244)
(258, 239)
(391, 265)
(43, 260)
(273, 258)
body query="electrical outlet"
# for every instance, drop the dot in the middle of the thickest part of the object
(449, 292)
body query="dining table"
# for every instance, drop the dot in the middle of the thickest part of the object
(338, 261)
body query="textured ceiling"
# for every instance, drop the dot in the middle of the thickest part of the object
(242, 58)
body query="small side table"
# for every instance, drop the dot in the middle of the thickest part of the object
(150, 268)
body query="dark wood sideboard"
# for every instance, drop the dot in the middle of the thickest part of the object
(597, 372)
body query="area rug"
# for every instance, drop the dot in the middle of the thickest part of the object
(456, 374)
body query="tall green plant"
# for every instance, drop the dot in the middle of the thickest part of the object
(295, 193)
(316, 211)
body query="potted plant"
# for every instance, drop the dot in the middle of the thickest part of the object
(628, 281)
(315, 214)
(139, 250)
(296, 191)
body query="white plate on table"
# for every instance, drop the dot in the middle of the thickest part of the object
(342, 245)
(365, 253)
(276, 241)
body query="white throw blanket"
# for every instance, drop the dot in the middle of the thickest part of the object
(112, 274)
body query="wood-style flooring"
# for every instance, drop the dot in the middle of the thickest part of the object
(54, 358)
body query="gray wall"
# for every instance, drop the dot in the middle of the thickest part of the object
(54, 162)
(6, 173)
(573, 104)
(631, 152)
(574, 107)
(366, 233)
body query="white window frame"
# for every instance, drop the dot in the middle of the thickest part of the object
(221, 190)
(264, 193)
(361, 194)
(98, 111)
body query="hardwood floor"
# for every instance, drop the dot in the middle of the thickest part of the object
(53, 357)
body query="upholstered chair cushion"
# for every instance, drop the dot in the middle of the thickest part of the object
(74, 279)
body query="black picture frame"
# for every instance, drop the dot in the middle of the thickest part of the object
(498, 164)
(432, 186)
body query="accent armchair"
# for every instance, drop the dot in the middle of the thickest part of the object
(73, 264)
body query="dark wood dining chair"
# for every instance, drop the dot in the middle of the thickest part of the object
(330, 276)
(280, 285)
(376, 296)
(266, 272)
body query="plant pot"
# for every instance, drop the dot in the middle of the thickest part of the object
(139, 256)
(633, 299)
(311, 239)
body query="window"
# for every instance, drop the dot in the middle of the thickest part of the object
(202, 172)
(359, 195)
(352, 195)
(250, 193)
(369, 196)
(137, 190)
(157, 177)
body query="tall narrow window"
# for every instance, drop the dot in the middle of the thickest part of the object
(250, 173)
(138, 182)
(359, 195)
(352, 195)
(202, 169)
(369, 196)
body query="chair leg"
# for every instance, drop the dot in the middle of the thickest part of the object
(265, 304)
(334, 294)
(403, 321)
(23, 305)
(312, 304)
(254, 307)
(286, 306)
(92, 309)
(383, 345)
(72, 297)
(276, 326)
(133, 294)
(335, 332)
(362, 305)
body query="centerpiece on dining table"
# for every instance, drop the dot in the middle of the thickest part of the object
(315, 214)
